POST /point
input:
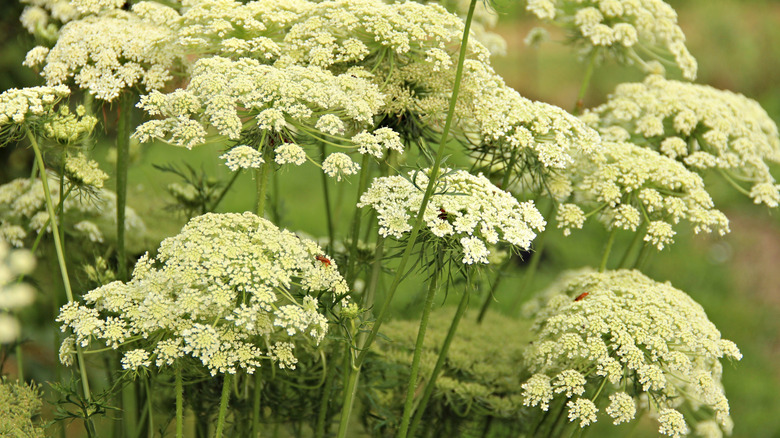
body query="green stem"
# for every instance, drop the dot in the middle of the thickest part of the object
(130, 409)
(180, 404)
(326, 194)
(88, 142)
(586, 81)
(637, 238)
(434, 173)
(530, 272)
(261, 181)
(122, 163)
(60, 259)
(642, 256)
(439, 363)
(355, 233)
(256, 404)
(224, 191)
(493, 288)
(223, 404)
(418, 348)
(607, 250)
(149, 407)
(319, 430)
(61, 203)
(19, 361)
(350, 389)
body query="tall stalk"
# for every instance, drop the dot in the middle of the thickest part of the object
(179, 404)
(122, 163)
(61, 262)
(261, 183)
(223, 403)
(355, 233)
(445, 348)
(418, 347)
(399, 275)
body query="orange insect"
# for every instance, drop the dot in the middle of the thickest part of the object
(324, 260)
(581, 296)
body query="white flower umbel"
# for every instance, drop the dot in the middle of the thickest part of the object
(243, 157)
(223, 93)
(630, 185)
(111, 52)
(514, 134)
(13, 295)
(638, 31)
(230, 290)
(466, 207)
(338, 165)
(27, 104)
(700, 126)
(631, 337)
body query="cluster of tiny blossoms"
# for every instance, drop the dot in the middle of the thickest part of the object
(18, 106)
(108, 53)
(23, 207)
(225, 93)
(634, 29)
(633, 186)
(465, 207)
(230, 290)
(13, 294)
(701, 126)
(646, 345)
(517, 135)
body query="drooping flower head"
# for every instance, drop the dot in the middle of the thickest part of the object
(635, 31)
(635, 338)
(465, 207)
(701, 126)
(631, 187)
(229, 291)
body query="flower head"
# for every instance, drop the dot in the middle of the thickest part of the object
(700, 126)
(468, 207)
(634, 336)
(622, 27)
(224, 286)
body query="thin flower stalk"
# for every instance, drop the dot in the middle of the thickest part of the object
(355, 233)
(122, 162)
(61, 261)
(223, 404)
(412, 388)
(179, 403)
(445, 348)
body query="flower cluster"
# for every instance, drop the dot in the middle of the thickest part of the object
(20, 404)
(480, 375)
(632, 29)
(465, 207)
(637, 340)
(242, 157)
(229, 291)
(225, 93)
(23, 207)
(517, 135)
(13, 294)
(632, 186)
(22, 105)
(108, 53)
(68, 127)
(701, 126)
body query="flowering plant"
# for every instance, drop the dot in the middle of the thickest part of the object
(436, 179)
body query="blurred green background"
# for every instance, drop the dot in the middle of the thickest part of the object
(736, 278)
